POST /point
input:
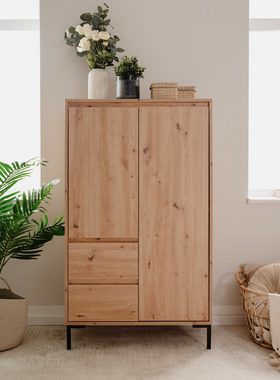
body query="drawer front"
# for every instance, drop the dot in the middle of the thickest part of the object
(103, 263)
(103, 303)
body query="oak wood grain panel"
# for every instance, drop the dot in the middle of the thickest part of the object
(210, 212)
(103, 263)
(141, 323)
(137, 102)
(103, 303)
(173, 214)
(66, 218)
(103, 172)
(103, 240)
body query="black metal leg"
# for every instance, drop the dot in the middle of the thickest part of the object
(209, 333)
(209, 337)
(68, 335)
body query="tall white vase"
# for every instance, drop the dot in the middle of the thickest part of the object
(98, 84)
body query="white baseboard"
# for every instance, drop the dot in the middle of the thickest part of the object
(228, 315)
(54, 315)
(46, 315)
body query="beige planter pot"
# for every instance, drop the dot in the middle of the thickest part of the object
(13, 318)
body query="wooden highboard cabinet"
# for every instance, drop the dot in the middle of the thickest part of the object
(138, 213)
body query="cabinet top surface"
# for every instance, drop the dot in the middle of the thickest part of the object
(136, 102)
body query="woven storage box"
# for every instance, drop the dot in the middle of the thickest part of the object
(164, 90)
(256, 309)
(186, 92)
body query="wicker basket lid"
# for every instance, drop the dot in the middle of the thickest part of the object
(186, 88)
(163, 85)
(266, 279)
(248, 270)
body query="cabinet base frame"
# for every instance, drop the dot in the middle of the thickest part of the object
(69, 337)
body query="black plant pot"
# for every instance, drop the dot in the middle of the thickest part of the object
(127, 87)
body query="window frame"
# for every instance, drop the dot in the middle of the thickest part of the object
(263, 195)
(19, 24)
(33, 24)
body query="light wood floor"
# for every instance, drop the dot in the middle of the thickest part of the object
(137, 353)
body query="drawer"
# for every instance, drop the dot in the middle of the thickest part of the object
(103, 263)
(103, 303)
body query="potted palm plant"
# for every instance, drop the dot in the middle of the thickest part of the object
(22, 236)
(128, 73)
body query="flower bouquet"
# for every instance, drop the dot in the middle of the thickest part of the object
(91, 39)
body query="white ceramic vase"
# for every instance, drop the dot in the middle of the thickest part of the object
(98, 84)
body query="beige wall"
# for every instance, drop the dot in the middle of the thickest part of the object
(198, 42)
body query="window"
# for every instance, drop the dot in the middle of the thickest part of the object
(20, 83)
(264, 99)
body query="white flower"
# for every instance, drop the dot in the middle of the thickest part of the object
(87, 30)
(104, 35)
(84, 45)
(95, 35)
(80, 29)
(105, 43)
(68, 34)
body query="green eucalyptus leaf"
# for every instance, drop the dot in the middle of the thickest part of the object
(95, 21)
(86, 17)
(72, 29)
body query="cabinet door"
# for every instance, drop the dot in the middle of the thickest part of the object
(174, 213)
(103, 172)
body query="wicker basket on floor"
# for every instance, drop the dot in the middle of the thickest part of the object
(256, 309)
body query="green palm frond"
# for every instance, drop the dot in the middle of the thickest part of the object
(10, 174)
(13, 235)
(30, 202)
(44, 233)
(25, 240)
(21, 236)
(7, 203)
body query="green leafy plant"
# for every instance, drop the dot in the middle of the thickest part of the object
(21, 236)
(91, 39)
(129, 66)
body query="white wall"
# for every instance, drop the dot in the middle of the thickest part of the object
(198, 42)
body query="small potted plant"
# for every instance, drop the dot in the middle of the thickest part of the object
(22, 237)
(128, 73)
